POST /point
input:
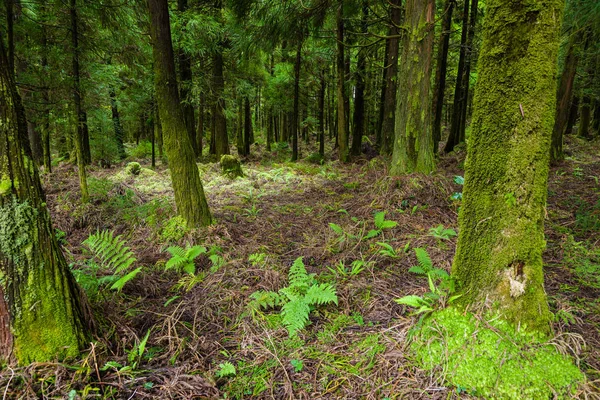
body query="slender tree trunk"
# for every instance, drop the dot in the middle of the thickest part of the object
(391, 79)
(189, 193)
(413, 145)
(220, 128)
(573, 114)
(41, 316)
(321, 115)
(79, 113)
(10, 20)
(200, 127)
(46, 99)
(154, 129)
(185, 81)
(35, 142)
(239, 129)
(586, 114)
(118, 128)
(440, 74)
(296, 111)
(359, 95)
(454, 136)
(467, 75)
(498, 260)
(380, 116)
(563, 102)
(342, 132)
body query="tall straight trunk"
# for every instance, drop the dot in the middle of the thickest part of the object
(563, 102)
(79, 113)
(380, 115)
(200, 126)
(185, 81)
(118, 128)
(413, 144)
(295, 113)
(41, 315)
(270, 127)
(35, 142)
(321, 114)
(189, 193)
(596, 119)
(220, 128)
(440, 74)
(10, 33)
(342, 132)
(498, 260)
(573, 115)
(46, 100)
(391, 79)
(85, 141)
(586, 116)
(454, 136)
(248, 134)
(154, 129)
(359, 95)
(239, 129)
(467, 75)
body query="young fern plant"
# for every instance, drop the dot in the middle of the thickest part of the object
(296, 300)
(381, 224)
(110, 253)
(183, 261)
(441, 286)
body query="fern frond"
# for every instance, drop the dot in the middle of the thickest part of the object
(295, 316)
(321, 294)
(194, 252)
(298, 275)
(264, 299)
(110, 251)
(424, 259)
(177, 251)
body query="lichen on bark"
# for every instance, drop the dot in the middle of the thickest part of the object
(498, 261)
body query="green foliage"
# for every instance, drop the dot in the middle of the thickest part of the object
(296, 300)
(298, 365)
(439, 232)
(225, 370)
(493, 359)
(142, 150)
(174, 230)
(182, 260)
(386, 250)
(133, 168)
(584, 259)
(109, 253)
(355, 269)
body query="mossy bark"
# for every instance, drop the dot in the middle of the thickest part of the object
(40, 309)
(189, 193)
(342, 132)
(413, 143)
(498, 262)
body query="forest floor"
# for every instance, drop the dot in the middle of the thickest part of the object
(278, 212)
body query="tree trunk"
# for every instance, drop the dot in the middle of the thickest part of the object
(10, 33)
(498, 260)
(413, 145)
(79, 113)
(573, 114)
(440, 74)
(220, 127)
(391, 79)
(342, 133)
(185, 81)
(200, 127)
(118, 128)
(467, 76)
(35, 142)
(41, 316)
(189, 193)
(321, 115)
(359, 95)
(563, 102)
(586, 114)
(380, 115)
(295, 113)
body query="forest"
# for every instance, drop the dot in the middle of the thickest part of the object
(300, 199)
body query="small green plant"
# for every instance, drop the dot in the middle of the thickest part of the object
(182, 260)
(355, 269)
(226, 370)
(381, 224)
(257, 259)
(133, 168)
(109, 253)
(386, 250)
(441, 233)
(441, 286)
(252, 211)
(296, 300)
(174, 229)
(459, 180)
(343, 236)
(134, 357)
(297, 364)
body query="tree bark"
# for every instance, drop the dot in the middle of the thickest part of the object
(79, 113)
(413, 144)
(563, 102)
(189, 193)
(391, 79)
(342, 132)
(321, 114)
(498, 262)
(185, 81)
(295, 112)
(118, 128)
(220, 122)
(467, 76)
(41, 316)
(359, 95)
(440, 74)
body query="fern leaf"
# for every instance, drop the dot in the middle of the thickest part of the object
(194, 252)
(424, 259)
(417, 270)
(118, 285)
(298, 275)
(321, 294)
(295, 316)
(265, 300)
(379, 218)
(177, 251)
(336, 228)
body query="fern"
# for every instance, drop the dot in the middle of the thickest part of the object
(183, 259)
(295, 299)
(108, 252)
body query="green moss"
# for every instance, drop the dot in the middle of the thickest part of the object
(231, 166)
(174, 230)
(6, 185)
(492, 359)
(133, 168)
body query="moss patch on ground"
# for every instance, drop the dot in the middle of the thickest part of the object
(492, 359)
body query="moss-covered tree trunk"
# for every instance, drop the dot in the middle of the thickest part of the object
(498, 262)
(41, 314)
(189, 193)
(413, 143)
(563, 102)
(342, 132)
(358, 129)
(440, 73)
(79, 113)
(391, 78)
